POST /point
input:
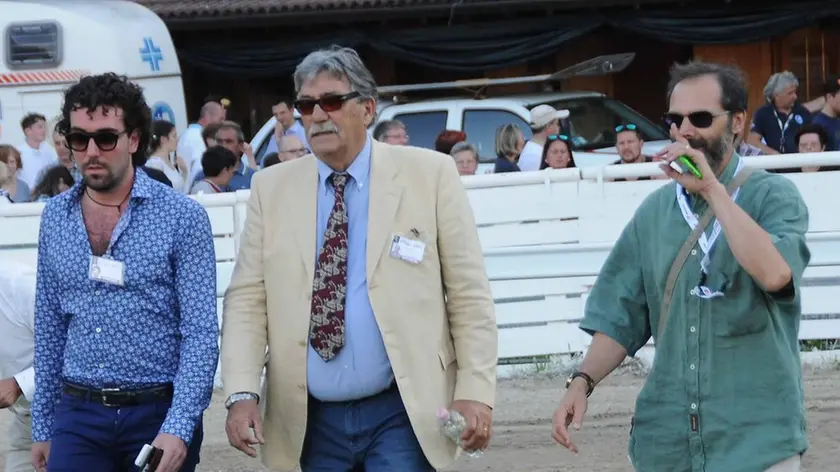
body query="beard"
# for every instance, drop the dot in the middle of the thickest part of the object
(102, 182)
(715, 148)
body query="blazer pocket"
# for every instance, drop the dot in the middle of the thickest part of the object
(446, 354)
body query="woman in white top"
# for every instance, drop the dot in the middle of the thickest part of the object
(163, 144)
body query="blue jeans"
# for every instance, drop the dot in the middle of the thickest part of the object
(368, 435)
(88, 436)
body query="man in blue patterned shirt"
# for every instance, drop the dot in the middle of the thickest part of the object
(126, 333)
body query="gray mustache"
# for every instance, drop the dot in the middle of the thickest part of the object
(322, 128)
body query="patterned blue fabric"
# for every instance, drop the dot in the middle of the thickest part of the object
(160, 327)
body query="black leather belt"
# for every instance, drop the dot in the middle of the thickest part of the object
(115, 397)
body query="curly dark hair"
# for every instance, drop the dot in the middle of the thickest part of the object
(109, 91)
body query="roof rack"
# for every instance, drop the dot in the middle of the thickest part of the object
(600, 65)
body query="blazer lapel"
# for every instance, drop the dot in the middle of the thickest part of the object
(301, 201)
(385, 193)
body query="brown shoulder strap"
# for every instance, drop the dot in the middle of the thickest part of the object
(682, 255)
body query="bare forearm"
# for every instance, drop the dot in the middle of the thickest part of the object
(755, 140)
(750, 244)
(604, 356)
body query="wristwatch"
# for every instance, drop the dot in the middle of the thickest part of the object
(590, 384)
(240, 396)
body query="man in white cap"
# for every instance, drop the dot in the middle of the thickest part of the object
(17, 342)
(545, 121)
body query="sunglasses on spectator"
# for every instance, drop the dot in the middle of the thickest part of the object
(105, 140)
(328, 103)
(627, 127)
(698, 119)
(561, 137)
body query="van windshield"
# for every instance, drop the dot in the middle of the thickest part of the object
(592, 121)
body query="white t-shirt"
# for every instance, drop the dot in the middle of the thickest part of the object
(178, 182)
(17, 315)
(531, 157)
(34, 161)
(191, 147)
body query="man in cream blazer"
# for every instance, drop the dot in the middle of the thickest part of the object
(401, 322)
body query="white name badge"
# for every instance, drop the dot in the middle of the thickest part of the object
(108, 271)
(409, 250)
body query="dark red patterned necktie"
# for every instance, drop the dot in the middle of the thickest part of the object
(329, 289)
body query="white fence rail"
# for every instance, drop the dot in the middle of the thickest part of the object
(545, 236)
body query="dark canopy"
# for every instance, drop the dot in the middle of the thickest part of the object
(496, 45)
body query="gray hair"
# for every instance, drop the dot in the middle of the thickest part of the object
(462, 146)
(778, 82)
(383, 127)
(232, 125)
(340, 63)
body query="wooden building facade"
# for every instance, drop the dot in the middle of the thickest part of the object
(810, 47)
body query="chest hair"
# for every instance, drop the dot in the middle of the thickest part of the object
(100, 223)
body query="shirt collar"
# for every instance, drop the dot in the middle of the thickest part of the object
(359, 170)
(142, 188)
(729, 171)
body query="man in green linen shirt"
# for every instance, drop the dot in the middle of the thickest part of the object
(725, 390)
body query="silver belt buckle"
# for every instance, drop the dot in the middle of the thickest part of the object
(104, 392)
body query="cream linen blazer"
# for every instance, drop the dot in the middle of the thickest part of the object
(437, 317)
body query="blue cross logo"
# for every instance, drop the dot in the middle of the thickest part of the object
(151, 54)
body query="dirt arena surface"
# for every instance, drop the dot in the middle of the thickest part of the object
(522, 441)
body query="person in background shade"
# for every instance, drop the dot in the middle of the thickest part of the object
(447, 139)
(557, 153)
(509, 144)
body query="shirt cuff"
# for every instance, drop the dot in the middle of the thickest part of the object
(26, 382)
(179, 425)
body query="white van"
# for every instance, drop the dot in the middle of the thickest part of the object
(48, 45)
(591, 124)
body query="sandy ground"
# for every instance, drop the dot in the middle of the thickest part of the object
(522, 440)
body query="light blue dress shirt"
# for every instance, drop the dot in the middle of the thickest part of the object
(160, 327)
(296, 129)
(362, 367)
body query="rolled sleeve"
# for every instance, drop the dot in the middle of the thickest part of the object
(784, 216)
(26, 382)
(195, 280)
(617, 306)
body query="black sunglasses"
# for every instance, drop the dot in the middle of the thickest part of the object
(627, 127)
(328, 103)
(561, 137)
(698, 119)
(105, 140)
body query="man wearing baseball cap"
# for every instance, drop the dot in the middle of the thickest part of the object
(545, 121)
(829, 116)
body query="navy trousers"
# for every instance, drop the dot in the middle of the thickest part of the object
(369, 435)
(88, 436)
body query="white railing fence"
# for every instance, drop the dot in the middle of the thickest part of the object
(545, 236)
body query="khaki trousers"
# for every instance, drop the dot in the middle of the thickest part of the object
(20, 442)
